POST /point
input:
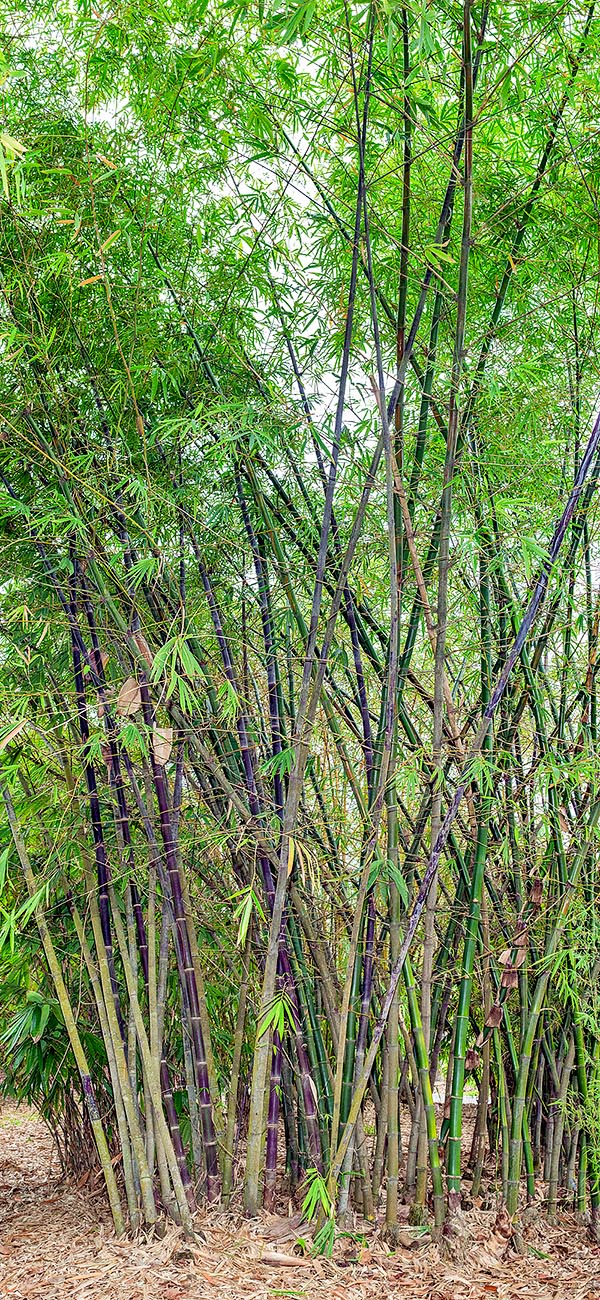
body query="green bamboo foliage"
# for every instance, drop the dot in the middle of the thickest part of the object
(298, 713)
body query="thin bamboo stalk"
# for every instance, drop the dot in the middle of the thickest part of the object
(69, 1019)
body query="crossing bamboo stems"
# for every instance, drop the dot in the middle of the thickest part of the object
(453, 1164)
(69, 1019)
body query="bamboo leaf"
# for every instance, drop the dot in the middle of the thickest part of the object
(107, 242)
(11, 145)
(10, 734)
(4, 859)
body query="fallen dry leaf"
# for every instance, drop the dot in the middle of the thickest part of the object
(278, 1260)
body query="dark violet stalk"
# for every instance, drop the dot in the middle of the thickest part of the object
(276, 732)
(273, 1124)
(124, 821)
(350, 614)
(283, 965)
(102, 869)
(242, 729)
(367, 982)
(536, 600)
(267, 625)
(185, 961)
(286, 976)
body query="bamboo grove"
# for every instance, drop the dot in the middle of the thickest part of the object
(299, 610)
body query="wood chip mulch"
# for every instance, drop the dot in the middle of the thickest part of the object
(56, 1243)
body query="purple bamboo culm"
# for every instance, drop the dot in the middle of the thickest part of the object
(273, 1124)
(124, 820)
(536, 600)
(185, 962)
(284, 965)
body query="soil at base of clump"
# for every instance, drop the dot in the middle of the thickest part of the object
(56, 1243)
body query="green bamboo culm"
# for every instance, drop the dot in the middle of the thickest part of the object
(589, 1157)
(69, 1019)
(462, 1023)
(94, 978)
(422, 1061)
(518, 1111)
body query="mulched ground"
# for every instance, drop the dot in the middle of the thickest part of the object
(56, 1243)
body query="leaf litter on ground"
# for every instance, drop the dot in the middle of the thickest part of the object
(56, 1243)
